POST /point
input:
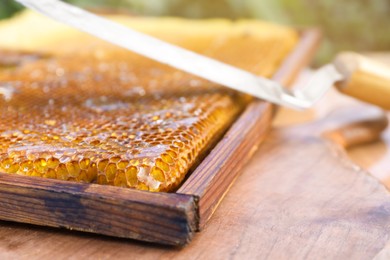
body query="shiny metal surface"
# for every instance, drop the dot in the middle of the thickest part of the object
(185, 60)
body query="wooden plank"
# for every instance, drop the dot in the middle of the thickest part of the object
(212, 178)
(154, 217)
(299, 197)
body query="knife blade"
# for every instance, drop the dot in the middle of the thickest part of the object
(188, 61)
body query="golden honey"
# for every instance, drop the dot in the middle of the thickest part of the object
(104, 115)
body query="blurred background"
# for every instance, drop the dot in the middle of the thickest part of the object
(359, 25)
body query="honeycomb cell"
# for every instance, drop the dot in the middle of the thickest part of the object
(13, 168)
(122, 165)
(84, 163)
(26, 167)
(158, 174)
(62, 172)
(52, 163)
(120, 179)
(167, 158)
(102, 165)
(110, 172)
(73, 169)
(162, 165)
(131, 176)
(91, 172)
(50, 173)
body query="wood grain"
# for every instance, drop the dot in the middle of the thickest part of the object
(154, 217)
(300, 197)
(212, 179)
(359, 132)
(375, 157)
(169, 219)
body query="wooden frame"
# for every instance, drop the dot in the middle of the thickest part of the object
(165, 218)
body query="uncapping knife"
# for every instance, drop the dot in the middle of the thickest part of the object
(353, 74)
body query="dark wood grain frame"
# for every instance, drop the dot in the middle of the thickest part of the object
(164, 218)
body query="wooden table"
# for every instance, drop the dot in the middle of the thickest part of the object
(299, 197)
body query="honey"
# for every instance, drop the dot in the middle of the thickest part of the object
(99, 133)
(111, 117)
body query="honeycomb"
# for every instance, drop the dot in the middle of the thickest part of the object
(98, 114)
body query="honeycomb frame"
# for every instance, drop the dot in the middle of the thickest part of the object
(112, 117)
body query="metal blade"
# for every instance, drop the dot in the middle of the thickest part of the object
(166, 53)
(319, 83)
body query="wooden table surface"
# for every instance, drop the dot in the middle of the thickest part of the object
(301, 196)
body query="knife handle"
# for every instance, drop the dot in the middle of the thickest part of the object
(364, 78)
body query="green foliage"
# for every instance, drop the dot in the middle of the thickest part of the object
(359, 25)
(8, 7)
